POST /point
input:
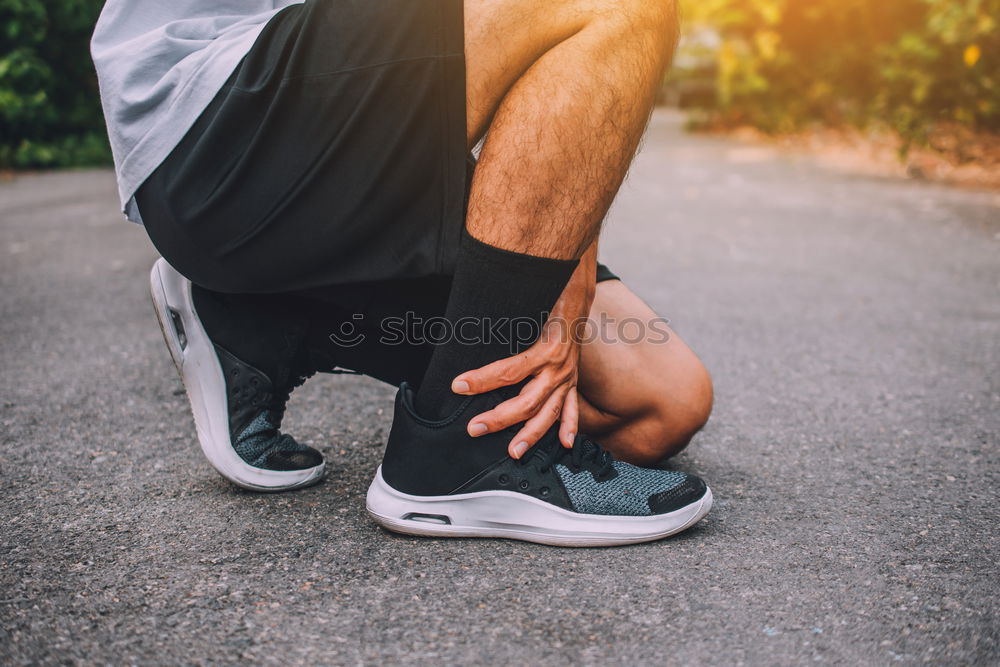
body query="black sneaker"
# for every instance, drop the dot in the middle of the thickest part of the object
(437, 480)
(237, 407)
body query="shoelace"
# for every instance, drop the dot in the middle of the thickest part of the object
(585, 454)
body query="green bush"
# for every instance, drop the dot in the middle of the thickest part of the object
(911, 64)
(778, 64)
(49, 105)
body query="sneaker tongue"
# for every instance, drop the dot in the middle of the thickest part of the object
(546, 448)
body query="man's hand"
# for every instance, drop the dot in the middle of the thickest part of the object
(552, 363)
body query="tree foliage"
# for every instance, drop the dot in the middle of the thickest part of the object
(781, 64)
(778, 64)
(50, 112)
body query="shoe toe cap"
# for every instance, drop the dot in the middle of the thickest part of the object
(299, 459)
(691, 490)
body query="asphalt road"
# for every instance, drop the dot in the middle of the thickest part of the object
(853, 329)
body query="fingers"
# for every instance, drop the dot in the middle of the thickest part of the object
(570, 418)
(514, 411)
(501, 373)
(538, 425)
(553, 369)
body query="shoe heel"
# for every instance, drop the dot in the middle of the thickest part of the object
(393, 513)
(167, 317)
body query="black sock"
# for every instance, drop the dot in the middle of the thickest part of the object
(497, 291)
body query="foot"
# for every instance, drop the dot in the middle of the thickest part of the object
(437, 480)
(237, 407)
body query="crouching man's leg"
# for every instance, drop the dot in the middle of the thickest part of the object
(643, 392)
(565, 89)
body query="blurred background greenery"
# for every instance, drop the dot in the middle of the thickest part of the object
(50, 115)
(915, 67)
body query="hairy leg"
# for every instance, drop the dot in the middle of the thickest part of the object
(572, 83)
(642, 400)
(565, 88)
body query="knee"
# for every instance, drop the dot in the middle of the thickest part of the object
(650, 26)
(681, 423)
(671, 419)
(660, 17)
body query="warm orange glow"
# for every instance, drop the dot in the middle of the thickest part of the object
(782, 64)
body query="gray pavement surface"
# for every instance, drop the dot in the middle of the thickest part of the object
(852, 326)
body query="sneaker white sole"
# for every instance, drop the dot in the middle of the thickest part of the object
(519, 517)
(201, 373)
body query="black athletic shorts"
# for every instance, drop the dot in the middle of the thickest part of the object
(335, 155)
